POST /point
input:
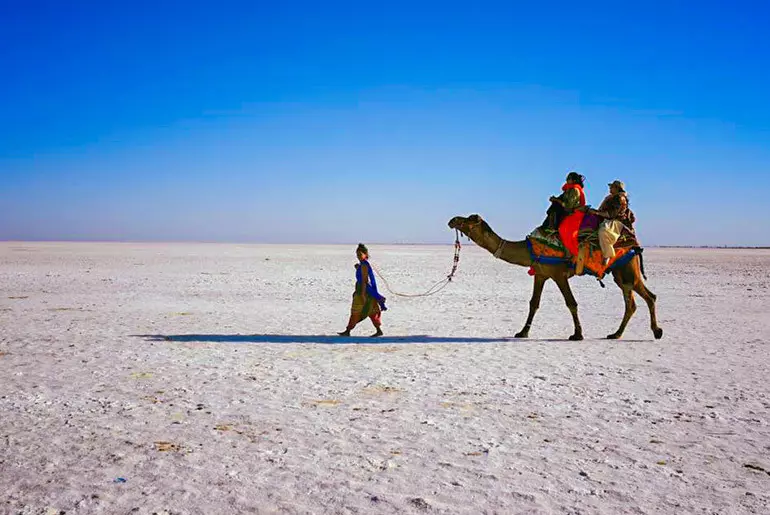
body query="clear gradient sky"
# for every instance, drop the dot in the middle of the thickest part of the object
(378, 121)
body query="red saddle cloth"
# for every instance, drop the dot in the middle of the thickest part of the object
(548, 249)
(592, 264)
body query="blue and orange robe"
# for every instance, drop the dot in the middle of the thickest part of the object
(367, 301)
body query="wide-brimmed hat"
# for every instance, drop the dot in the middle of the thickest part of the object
(619, 185)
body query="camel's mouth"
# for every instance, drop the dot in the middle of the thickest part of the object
(456, 222)
(463, 224)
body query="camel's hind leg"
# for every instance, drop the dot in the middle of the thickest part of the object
(534, 303)
(566, 291)
(628, 296)
(650, 298)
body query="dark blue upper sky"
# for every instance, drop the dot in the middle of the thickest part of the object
(348, 121)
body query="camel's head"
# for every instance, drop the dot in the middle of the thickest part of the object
(465, 225)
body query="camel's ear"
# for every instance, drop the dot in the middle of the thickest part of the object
(474, 218)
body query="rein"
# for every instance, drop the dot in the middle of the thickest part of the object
(438, 286)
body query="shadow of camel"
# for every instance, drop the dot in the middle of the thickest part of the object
(320, 338)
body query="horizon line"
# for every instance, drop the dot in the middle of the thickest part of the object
(211, 242)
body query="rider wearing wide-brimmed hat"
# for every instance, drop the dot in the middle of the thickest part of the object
(615, 214)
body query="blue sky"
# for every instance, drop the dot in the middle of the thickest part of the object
(342, 122)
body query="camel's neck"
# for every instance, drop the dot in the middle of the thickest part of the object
(515, 252)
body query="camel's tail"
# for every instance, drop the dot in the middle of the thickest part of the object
(639, 251)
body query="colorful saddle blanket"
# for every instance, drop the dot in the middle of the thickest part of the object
(546, 247)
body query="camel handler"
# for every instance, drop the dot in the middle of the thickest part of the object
(616, 214)
(367, 302)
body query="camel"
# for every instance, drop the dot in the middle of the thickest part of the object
(628, 277)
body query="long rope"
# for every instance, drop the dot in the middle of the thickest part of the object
(438, 286)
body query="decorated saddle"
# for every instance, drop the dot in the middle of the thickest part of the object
(546, 247)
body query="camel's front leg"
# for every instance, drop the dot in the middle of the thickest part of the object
(628, 296)
(566, 291)
(534, 303)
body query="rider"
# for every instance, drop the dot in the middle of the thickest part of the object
(570, 201)
(616, 214)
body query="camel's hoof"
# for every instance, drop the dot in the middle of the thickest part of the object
(613, 336)
(658, 332)
(576, 337)
(521, 334)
